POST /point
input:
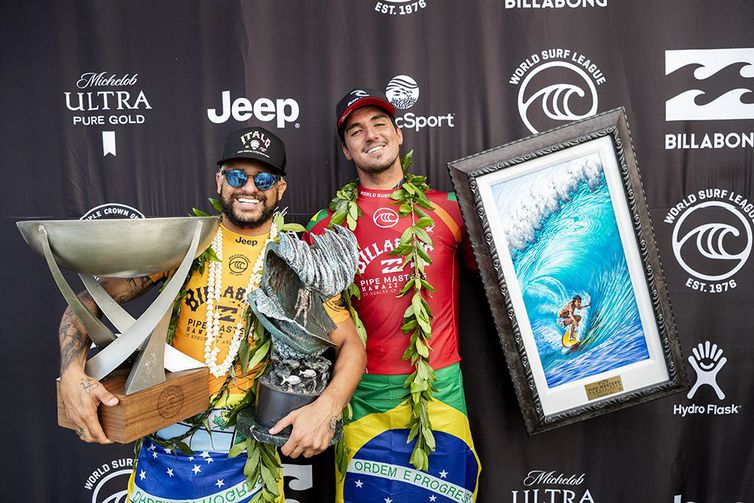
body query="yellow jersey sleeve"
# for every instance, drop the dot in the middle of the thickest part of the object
(336, 309)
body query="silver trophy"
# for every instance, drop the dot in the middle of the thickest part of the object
(149, 399)
(297, 280)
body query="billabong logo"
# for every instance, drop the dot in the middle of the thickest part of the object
(108, 482)
(711, 95)
(553, 4)
(707, 361)
(399, 7)
(282, 110)
(563, 88)
(712, 237)
(385, 218)
(402, 92)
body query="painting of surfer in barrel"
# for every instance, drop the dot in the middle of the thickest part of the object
(566, 251)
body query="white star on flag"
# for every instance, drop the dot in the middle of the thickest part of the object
(151, 447)
(443, 474)
(168, 451)
(191, 458)
(209, 460)
(154, 454)
(220, 483)
(170, 472)
(359, 483)
(388, 500)
(205, 454)
(196, 469)
(142, 475)
(433, 498)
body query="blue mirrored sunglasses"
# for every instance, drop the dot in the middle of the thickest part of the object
(237, 178)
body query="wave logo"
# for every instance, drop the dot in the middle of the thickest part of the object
(707, 361)
(712, 240)
(557, 86)
(402, 92)
(722, 83)
(385, 218)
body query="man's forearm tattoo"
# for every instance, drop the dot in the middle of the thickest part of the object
(73, 343)
(333, 425)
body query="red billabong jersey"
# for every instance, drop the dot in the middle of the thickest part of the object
(381, 277)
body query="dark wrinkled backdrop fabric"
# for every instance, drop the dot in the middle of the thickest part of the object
(462, 55)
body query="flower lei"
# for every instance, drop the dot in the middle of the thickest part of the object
(263, 461)
(417, 319)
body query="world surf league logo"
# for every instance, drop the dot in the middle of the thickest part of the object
(108, 482)
(403, 93)
(400, 7)
(567, 488)
(708, 85)
(556, 86)
(712, 238)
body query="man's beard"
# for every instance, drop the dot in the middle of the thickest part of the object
(376, 169)
(251, 223)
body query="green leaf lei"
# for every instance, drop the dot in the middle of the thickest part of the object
(263, 461)
(411, 198)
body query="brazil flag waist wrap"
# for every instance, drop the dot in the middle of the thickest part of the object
(379, 468)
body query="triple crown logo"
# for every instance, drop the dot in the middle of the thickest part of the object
(707, 361)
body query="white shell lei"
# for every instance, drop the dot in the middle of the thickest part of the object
(213, 296)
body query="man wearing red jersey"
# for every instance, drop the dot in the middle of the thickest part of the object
(377, 432)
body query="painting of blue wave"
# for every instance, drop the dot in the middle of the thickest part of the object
(563, 239)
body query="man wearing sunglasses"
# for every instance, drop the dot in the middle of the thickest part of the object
(250, 184)
(379, 430)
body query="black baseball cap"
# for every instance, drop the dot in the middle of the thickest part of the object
(361, 97)
(255, 143)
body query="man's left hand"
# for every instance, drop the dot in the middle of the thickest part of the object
(313, 427)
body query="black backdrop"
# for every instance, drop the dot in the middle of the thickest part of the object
(145, 80)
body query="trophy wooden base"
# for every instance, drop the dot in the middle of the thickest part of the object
(183, 394)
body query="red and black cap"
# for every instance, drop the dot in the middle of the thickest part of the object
(361, 97)
(255, 143)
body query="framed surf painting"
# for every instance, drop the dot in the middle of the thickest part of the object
(562, 235)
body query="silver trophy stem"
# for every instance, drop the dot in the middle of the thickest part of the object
(119, 350)
(118, 316)
(149, 368)
(98, 332)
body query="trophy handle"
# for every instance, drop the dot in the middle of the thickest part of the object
(119, 350)
(98, 332)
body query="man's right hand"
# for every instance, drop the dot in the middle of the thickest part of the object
(82, 396)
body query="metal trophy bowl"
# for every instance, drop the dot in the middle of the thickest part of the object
(297, 280)
(127, 248)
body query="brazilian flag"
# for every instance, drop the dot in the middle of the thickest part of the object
(379, 470)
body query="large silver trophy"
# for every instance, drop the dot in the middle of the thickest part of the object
(297, 280)
(149, 397)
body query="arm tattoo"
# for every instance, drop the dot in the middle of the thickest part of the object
(73, 342)
(333, 425)
(136, 287)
